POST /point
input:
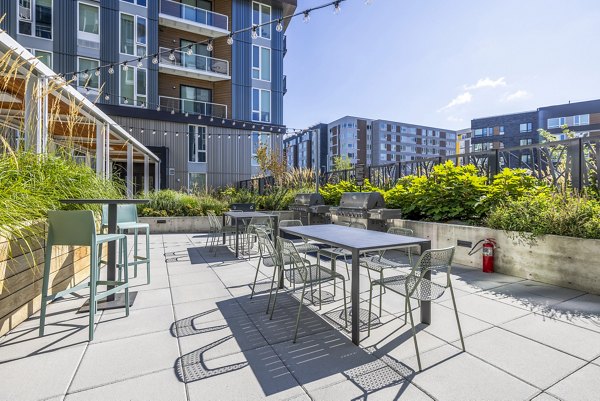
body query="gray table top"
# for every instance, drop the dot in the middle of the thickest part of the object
(105, 201)
(352, 238)
(236, 214)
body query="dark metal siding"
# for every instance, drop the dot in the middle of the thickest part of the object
(241, 59)
(8, 8)
(276, 71)
(152, 49)
(511, 123)
(64, 36)
(109, 46)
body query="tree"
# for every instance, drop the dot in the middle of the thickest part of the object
(341, 163)
(271, 161)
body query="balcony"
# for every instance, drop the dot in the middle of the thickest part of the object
(193, 65)
(284, 84)
(179, 105)
(193, 19)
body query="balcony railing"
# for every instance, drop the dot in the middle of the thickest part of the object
(194, 62)
(194, 14)
(179, 105)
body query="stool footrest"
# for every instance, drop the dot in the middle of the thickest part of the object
(116, 289)
(68, 291)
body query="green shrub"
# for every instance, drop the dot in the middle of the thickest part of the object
(544, 213)
(511, 184)
(173, 203)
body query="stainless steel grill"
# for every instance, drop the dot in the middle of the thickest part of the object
(364, 207)
(310, 209)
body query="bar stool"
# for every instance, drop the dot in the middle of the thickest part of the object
(77, 228)
(127, 219)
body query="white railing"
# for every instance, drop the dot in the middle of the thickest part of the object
(194, 62)
(179, 105)
(194, 14)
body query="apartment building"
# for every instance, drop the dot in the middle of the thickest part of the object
(308, 148)
(521, 129)
(374, 142)
(463, 141)
(205, 109)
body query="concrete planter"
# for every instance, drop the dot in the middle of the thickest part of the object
(189, 224)
(552, 259)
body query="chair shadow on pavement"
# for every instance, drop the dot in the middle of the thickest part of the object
(320, 353)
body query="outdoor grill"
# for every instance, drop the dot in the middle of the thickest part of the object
(364, 207)
(310, 209)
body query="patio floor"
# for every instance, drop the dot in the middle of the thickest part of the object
(194, 334)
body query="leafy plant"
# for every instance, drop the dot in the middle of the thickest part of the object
(511, 184)
(172, 203)
(341, 163)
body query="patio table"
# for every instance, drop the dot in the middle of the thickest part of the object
(239, 215)
(358, 240)
(115, 300)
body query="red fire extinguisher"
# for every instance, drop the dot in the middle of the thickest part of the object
(488, 253)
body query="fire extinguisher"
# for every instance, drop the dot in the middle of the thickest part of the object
(487, 252)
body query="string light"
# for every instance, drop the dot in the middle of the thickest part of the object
(155, 59)
(199, 116)
(111, 69)
(157, 108)
(254, 32)
(165, 133)
(140, 64)
(153, 132)
(173, 111)
(189, 50)
(306, 17)
(336, 8)
(187, 114)
(209, 46)
(107, 98)
(172, 55)
(230, 39)
(125, 100)
(97, 72)
(125, 66)
(279, 26)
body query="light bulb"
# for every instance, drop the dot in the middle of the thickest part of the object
(173, 111)
(125, 66)
(212, 119)
(233, 123)
(209, 46)
(228, 136)
(142, 131)
(254, 33)
(142, 104)
(140, 64)
(97, 72)
(230, 39)
(279, 26)
(106, 97)
(177, 134)
(85, 74)
(306, 17)
(189, 50)
(187, 114)
(125, 100)
(153, 132)
(157, 108)
(155, 59)
(337, 8)
(165, 134)
(172, 55)
(111, 69)
(223, 121)
(74, 77)
(199, 116)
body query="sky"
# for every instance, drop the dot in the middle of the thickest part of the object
(440, 63)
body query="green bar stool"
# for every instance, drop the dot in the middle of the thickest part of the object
(127, 219)
(77, 228)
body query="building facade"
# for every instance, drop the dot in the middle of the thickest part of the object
(307, 149)
(204, 109)
(521, 129)
(375, 142)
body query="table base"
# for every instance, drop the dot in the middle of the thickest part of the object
(104, 304)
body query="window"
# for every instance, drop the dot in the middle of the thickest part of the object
(197, 182)
(133, 35)
(38, 22)
(478, 132)
(197, 143)
(583, 119)
(258, 140)
(89, 65)
(133, 86)
(89, 22)
(261, 13)
(261, 105)
(138, 2)
(526, 159)
(44, 57)
(196, 100)
(526, 127)
(524, 142)
(261, 63)
(501, 130)
(553, 123)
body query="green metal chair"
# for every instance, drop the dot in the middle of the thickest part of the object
(265, 223)
(218, 229)
(305, 272)
(77, 228)
(415, 286)
(127, 219)
(334, 253)
(378, 263)
(302, 245)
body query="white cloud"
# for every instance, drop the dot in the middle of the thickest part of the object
(458, 100)
(518, 95)
(487, 83)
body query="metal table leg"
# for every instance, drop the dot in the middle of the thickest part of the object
(426, 305)
(237, 232)
(355, 298)
(223, 226)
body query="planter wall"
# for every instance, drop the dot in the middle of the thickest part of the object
(563, 261)
(190, 224)
(21, 272)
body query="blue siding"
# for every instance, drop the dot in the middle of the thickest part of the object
(277, 71)
(241, 74)
(152, 49)
(64, 36)
(109, 46)
(9, 9)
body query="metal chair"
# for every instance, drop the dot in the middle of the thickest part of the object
(127, 219)
(305, 272)
(268, 256)
(334, 253)
(415, 286)
(379, 264)
(302, 245)
(262, 222)
(218, 229)
(78, 228)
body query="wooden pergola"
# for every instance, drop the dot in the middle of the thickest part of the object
(44, 110)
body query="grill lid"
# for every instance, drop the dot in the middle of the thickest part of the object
(308, 200)
(362, 200)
